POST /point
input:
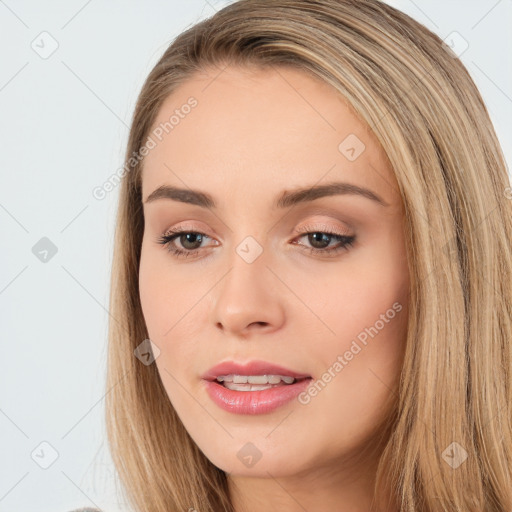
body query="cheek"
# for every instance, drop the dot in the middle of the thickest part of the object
(376, 297)
(367, 310)
(370, 289)
(164, 296)
(170, 305)
(163, 299)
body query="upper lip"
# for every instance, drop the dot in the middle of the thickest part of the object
(250, 368)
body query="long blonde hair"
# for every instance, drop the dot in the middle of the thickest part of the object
(455, 394)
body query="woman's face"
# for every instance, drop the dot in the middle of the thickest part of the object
(293, 256)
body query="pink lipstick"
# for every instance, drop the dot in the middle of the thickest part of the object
(254, 388)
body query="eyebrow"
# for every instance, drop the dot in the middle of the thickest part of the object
(287, 198)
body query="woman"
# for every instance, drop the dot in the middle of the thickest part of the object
(312, 277)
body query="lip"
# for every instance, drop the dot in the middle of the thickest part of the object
(253, 402)
(251, 368)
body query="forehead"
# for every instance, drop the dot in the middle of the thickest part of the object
(251, 126)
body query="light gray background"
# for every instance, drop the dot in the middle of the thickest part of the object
(63, 127)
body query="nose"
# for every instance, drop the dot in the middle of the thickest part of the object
(248, 299)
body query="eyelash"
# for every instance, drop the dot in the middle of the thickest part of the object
(168, 239)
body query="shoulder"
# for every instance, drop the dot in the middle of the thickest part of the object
(86, 509)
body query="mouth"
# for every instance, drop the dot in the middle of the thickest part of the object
(253, 373)
(256, 382)
(257, 387)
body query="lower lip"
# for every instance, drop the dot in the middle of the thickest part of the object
(254, 402)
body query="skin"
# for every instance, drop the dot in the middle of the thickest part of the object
(254, 134)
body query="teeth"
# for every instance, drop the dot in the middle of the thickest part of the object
(258, 380)
(246, 387)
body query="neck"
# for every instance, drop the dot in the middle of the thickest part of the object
(346, 490)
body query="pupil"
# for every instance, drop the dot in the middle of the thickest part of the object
(187, 238)
(313, 236)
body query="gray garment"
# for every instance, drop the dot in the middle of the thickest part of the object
(86, 510)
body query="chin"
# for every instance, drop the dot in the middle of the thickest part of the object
(250, 461)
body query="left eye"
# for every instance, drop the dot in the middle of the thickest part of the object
(191, 242)
(186, 238)
(321, 237)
